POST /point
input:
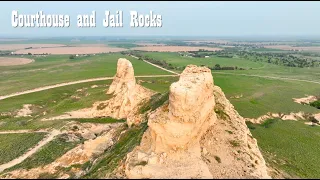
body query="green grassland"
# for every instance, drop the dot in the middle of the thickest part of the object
(179, 61)
(47, 154)
(262, 95)
(291, 146)
(159, 84)
(55, 69)
(54, 102)
(15, 145)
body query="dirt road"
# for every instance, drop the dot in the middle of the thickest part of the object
(32, 151)
(70, 83)
(157, 66)
(23, 131)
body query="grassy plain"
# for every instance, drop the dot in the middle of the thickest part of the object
(56, 69)
(291, 146)
(262, 95)
(14, 145)
(53, 102)
(47, 154)
(178, 61)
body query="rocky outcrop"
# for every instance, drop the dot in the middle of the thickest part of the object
(126, 97)
(305, 100)
(197, 134)
(127, 94)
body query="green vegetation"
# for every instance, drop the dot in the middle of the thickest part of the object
(102, 120)
(159, 84)
(47, 154)
(178, 62)
(50, 103)
(263, 95)
(155, 101)
(217, 158)
(316, 104)
(15, 145)
(234, 143)
(122, 45)
(107, 163)
(295, 148)
(54, 69)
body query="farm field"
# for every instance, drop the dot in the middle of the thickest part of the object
(4, 61)
(70, 50)
(56, 69)
(178, 61)
(173, 48)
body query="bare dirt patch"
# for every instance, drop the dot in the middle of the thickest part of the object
(305, 100)
(4, 47)
(174, 48)
(6, 61)
(70, 50)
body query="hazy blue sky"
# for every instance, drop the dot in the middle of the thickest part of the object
(178, 18)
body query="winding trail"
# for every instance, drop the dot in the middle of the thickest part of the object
(156, 65)
(23, 131)
(70, 83)
(43, 142)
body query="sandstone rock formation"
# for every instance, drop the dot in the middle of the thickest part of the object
(126, 97)
(197, 134)
(127, 94)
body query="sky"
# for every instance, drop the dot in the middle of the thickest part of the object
(178, 18)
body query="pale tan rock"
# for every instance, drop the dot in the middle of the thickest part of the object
(189, 123)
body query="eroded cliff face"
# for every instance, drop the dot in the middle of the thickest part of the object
(127, 94)
(197, 134)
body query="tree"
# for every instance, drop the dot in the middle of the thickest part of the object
(217, 67)
(71, 57)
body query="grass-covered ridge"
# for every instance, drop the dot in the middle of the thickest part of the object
(112, 158)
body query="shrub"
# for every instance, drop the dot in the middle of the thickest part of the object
(217, 158)
(234, 143)
(315, 104)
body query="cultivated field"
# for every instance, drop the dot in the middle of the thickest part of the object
(71, 50)
(6, 61)
(4, 47)
(173, 48)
